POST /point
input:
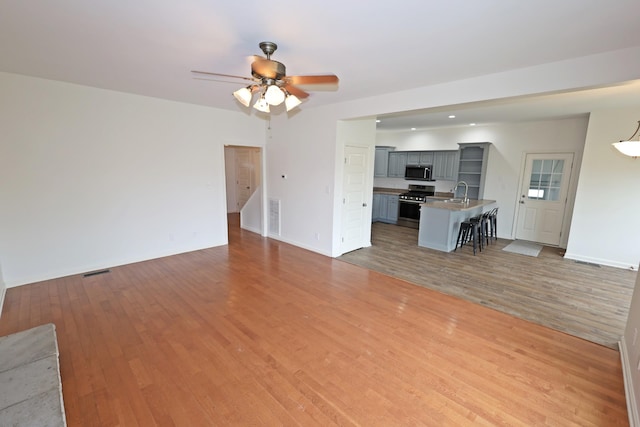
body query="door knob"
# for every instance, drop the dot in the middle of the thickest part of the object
(364, 205)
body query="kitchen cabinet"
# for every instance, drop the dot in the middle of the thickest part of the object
(391, 214)
(397, 164)
(375, 208)
(440, 222)
(385, 208)
(472, 168)
(381, 162)
(426, 158)
(420, 158)
(445, 165)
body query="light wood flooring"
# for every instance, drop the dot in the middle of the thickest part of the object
(261, 333)
(588, 301)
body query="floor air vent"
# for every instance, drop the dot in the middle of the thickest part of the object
(274, 217)
(95, 273)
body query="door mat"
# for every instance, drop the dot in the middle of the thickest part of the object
(523, 247)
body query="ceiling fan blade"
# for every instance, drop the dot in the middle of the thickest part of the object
(313, 80)
(218, 81)
(296, 91)
(222, 75)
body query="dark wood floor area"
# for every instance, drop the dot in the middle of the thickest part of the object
(263, 333)
(588, 301)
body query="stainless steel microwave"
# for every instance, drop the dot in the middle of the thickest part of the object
(418, 173)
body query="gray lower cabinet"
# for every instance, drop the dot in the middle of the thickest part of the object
(375, 208)
(397, 164)
(385, 208)
(391, 214)
(445, 165)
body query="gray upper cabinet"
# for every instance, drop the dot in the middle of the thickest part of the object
(445, 165)
(422, 158)
(426, 158)
(413, 158)
(391, 163)
(472, 168)
(381, 163)
(397, 164)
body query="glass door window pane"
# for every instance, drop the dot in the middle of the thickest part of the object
(545, 180)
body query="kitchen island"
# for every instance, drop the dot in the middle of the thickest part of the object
(440, 221)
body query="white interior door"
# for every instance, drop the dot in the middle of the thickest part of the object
(354, 207)
(543, 197)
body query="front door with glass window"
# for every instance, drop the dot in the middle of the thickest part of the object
(543, 197)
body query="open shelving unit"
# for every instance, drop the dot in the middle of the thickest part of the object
(472, 168)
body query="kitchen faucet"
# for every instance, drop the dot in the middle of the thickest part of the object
(466, 190)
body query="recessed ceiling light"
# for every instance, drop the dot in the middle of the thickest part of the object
(472, 124)
(378, 121)
(413, 128)
(452, 116)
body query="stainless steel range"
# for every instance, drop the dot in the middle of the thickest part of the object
(409, 209)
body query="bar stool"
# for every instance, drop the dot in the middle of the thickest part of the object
(493, 224)
(485, 225)
(468, 231)
(480, 222)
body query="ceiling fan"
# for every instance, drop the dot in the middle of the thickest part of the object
(270, 80)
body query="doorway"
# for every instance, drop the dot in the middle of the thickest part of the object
(543, 197)
(243, 176)
(243, 173)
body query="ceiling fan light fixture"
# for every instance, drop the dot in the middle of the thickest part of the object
(274, 95)
(269, 78)
(262, 105)
(244, 95)
(291, 102)
(630, 147)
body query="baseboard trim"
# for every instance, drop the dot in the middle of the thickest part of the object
(298, 244)
(599, 261)
(627, 374)
(252, 229)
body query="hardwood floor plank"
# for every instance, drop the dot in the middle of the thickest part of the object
(263, 333)
(586, 301)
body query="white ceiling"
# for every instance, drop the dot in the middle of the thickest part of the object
(149, 47)
(530, 108)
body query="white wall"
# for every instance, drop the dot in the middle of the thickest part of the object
(607, 203)
(93, 178)
(308, 147)
(251, 214)
(302, 147)
(510, 143)
(359, 133)
(307, 138)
